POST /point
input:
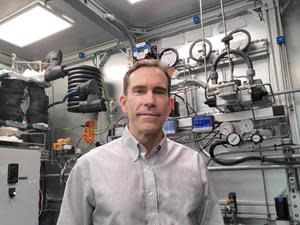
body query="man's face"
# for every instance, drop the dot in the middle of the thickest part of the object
(147, 102)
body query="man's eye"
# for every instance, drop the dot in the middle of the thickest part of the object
(160, 92)
(138, 91)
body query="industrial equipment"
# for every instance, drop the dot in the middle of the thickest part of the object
(84, 85)
(19, 185)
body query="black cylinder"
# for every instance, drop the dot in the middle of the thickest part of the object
(11, 95)
(37, 111)
(175, 111)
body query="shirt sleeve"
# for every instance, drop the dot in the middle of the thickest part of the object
(210, 213)
(77, 205)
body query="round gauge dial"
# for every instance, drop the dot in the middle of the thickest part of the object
(196, 50)
(169, 57)
(246, 126)
(234, 139)
(226, 128)
(241, 39)
(256, 138)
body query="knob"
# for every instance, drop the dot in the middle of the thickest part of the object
(256, 138)
(12, 192)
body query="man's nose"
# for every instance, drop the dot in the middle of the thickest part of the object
(149, 98)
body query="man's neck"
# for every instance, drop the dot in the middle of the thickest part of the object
(149, 141)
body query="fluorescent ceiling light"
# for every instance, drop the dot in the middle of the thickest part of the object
(30, 25)
(134, 1)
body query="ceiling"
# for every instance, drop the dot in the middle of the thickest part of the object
(90, 29)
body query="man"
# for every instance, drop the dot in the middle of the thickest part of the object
(142, 177)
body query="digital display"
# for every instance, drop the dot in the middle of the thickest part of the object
(170, 126)
(202, 123)
(13, 173)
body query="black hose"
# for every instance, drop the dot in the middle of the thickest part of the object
(244, 159)
(229, 162)
(235, 52)
(78, 75)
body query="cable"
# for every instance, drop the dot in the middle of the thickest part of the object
(41, 202)
(118, 120)
(68, 95)
(231, 162)
(186, 103)
(197, 141)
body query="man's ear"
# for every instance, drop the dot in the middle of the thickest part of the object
(123, 103)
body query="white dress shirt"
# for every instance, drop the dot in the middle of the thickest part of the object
(115, 185)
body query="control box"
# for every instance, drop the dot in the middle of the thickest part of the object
(19, 185)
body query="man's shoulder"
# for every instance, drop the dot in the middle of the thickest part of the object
(103, 150)
(175, 146)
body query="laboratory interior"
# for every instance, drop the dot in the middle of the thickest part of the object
(234, 80)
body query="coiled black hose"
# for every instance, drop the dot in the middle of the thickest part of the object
(78, 75)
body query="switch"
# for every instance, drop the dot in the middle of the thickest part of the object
(12, 192)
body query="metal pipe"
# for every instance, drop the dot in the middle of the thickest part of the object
(203, 38)
(287, 92)
(266, 12)
(225, 31)
(268, 167)
(54, 175)
(250, 203)
(198, 83)
(265, 193)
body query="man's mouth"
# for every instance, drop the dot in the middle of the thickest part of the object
(153, 114)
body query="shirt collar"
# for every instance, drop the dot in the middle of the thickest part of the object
(135, 148)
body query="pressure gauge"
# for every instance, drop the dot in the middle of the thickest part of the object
(226, 128)
(256, 138)
(169, 57)
(246, 126)
(141, 50)
(198, 52)
(241, 39)
(234, 139)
